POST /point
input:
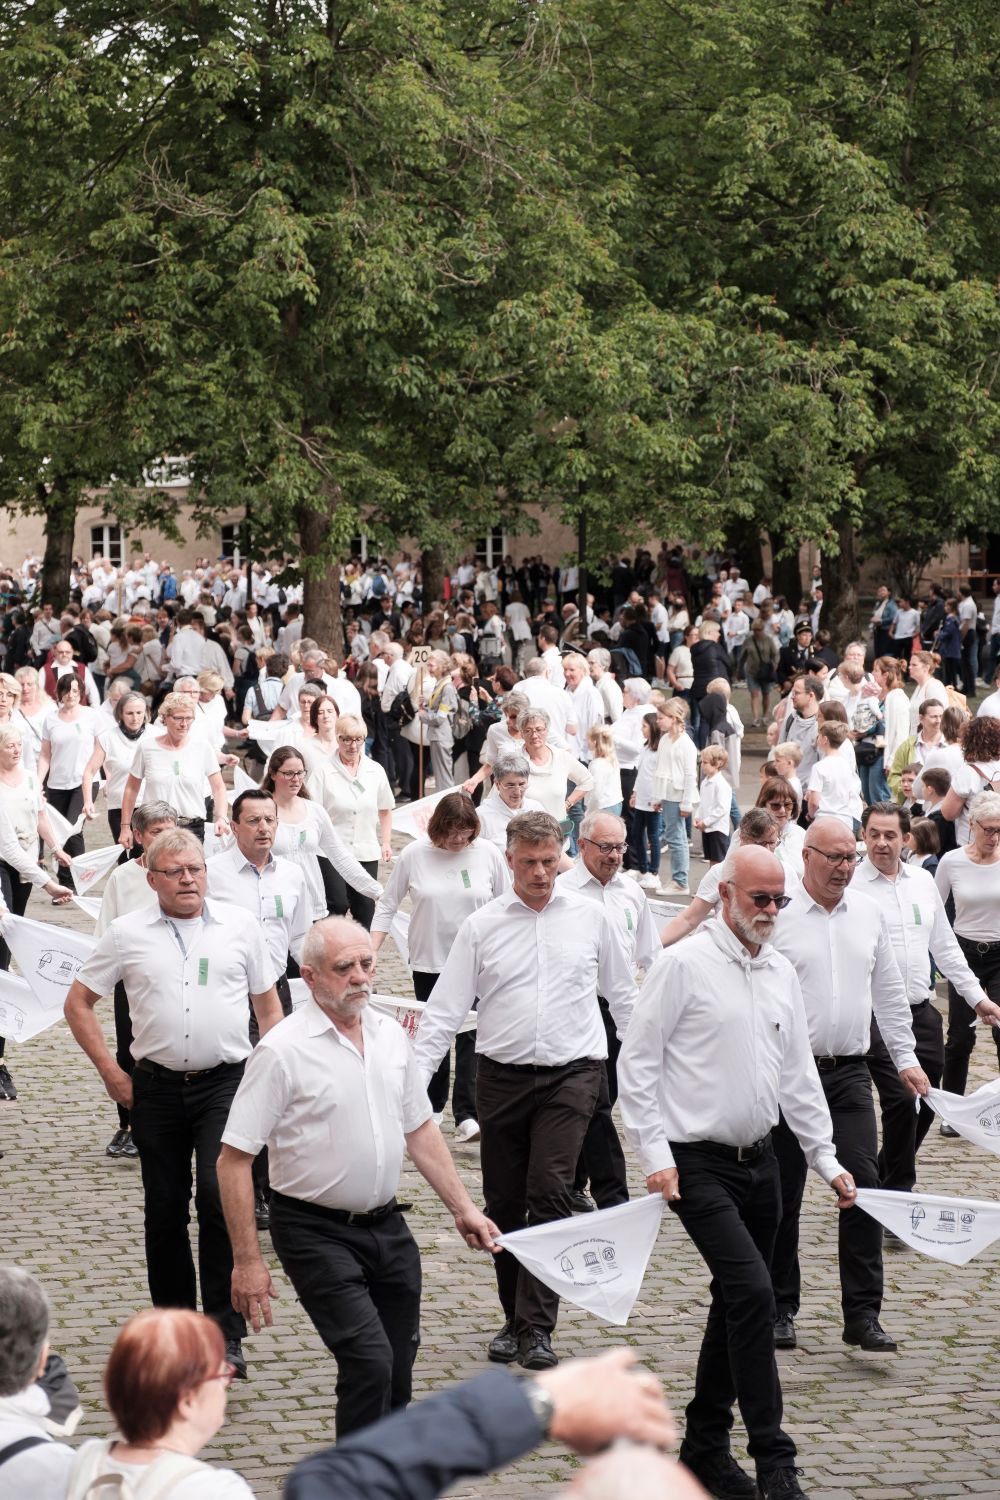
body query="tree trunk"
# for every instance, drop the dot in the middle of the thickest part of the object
(841, 615)
(743, 538)
(60, 525)
(432, 574)
(785, 575)
(322, 589)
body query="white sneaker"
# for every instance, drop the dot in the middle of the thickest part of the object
(632, 875)
(468, 1130)
(437, 1118)
(674, 889)
(649, 882)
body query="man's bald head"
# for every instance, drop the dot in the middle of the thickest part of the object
(751, 874)
(829, 857)
(830, 835)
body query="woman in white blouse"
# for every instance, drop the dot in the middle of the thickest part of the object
(970, 875)
(356, 793)
(888, 674)
(928, 689)
(31, 713)
(447, 876)
(114, 750)
(67, 741)
(306, 834)
(502, 739)
(552, 768)
(174, 766)
(778, 797)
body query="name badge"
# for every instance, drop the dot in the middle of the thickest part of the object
(203, 971)
(628, 919)
(466, 880)
(917, 919)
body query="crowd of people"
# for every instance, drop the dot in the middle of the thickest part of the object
(578, 765)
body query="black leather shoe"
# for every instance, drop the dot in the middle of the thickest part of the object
(129, 1147)
(535, 1352)
(780, 1484)
(262, 1212)
(722, 1477)
(581, 1202)
(784, 1332)
(7, 1089)
(869, 1334)
(117, 1143)
(949, 1131)
(503, 1349)
(234, 1357)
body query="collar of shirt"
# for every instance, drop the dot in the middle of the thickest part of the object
(870, 873)
(318, 1023)
(809, 904)
(241, 862)
(728, 943)
(510, 898)
(156, 913)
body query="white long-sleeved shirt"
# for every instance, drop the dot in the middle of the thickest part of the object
(628, 736)
(275, 897)
(975, 890)
(677, 770)
(846, 965)
(628, 907)
(304, 841)
(587, 713)
(445, 886)
(896, 710)
(718, 1042)
(537, 975)
(716, 804)
(918, 927)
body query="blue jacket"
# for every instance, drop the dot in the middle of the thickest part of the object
(418, 1453)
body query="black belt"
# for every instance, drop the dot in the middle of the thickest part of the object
(159, 1071)
(336, 1215)
(574, 1062)
(828, 1064)
(919, 1004)
(728, 1153)
(975, 944)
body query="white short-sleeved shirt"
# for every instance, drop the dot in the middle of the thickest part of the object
(975, 889)
(966, 782)
(334, 1120)
(178, 777)
(444, 886)
(71, 743)
(354, 802)
(275, 897)
(834, 781)
(119, 757)
(188, 982)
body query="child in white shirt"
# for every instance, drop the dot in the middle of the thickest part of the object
(716, 801)
(607, 793)
(834, 790)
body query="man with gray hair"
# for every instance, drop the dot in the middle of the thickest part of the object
(30, 1462)
(541, 693)
(335, 1224)
(536, 958)
(599, 667)
(314, 669)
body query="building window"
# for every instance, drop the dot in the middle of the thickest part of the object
(229, 540)
(359, 547)
(490, 549)
(109, 541)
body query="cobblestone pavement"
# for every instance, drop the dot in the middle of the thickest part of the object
(922, 1422)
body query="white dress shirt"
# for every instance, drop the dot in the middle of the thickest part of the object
(587, 713)
(628, 736)
(187, 982)
(611, 697)
(557, 704)
(340, 689)
(845, 964)
(274, 896)
(185, 653)
(627, 906)
(718, 1042)
(444, 886)
(334, 1119)
(918, 926)
(537, 976)
(494, 815)
(305, 841)
(354, 802)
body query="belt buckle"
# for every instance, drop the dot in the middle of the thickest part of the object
(747, 1153)
(193, 1073)
(982, 948)
(353, 1218)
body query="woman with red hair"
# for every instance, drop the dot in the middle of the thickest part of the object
(166, 1384)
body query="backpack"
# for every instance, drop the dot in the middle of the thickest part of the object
(157, 1482)
(462, 720)
(490, 648)
(401, 710)
(263, 709)
(625, 663)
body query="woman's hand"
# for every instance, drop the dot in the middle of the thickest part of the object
(221, 828)
(387, 854)
(89, 812)
(125, 838)
(63, 858)
(59, 893)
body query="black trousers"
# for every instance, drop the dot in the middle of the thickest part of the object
(361, 1288)
(731, 1211)
(602, 1160)
(961, 1033)
(69, 802)
(170, 1120)
(630, 861)
(848, 1090)
(15, 894)
(903, 1129)
(123, 1044)
(347, 899)
(533, 1121)
(463, 1096)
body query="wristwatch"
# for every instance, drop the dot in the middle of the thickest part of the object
(541, 1403)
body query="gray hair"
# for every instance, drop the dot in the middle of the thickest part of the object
(984, 805)
(638, 689)
(511, 765)
(533, 828)
(590, 821)
(393, 650)
(519, 701)
(24, 1326)
(149, 813)
(314, 944)
(602, 656)
(527, 714)
(172, 841)
(535, 668)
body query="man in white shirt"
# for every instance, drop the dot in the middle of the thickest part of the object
(587, 711)
(991, 703)
(735, 629)
(45, 633)
(62, 664)
(518, 618)
(340, 689)
(762, 591)
(188, 966)
(599, 666)
(735, 586)
(968, 619)
(717, 1042)
(918, 926)
(536, 959)
(291, 631)
(838, 942)
(597, 875)
(548, 645)
(186, 648)
(335, 1094)
(540, 693)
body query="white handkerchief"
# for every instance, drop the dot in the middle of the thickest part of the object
(90, 869)
(598, 1260)
(976, 1116)
(399, 931)
(951, 1229)
(90, 904)
(242, 782)
(62, 829)
(412, 818)
(48, 957)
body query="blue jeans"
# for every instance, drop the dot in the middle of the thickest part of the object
(575, 816)
(676, 842)
(648, 830)
(874, 787)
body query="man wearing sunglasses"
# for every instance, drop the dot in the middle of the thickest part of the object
(718, 1042)
(839, 944)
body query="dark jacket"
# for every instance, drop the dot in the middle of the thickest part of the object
(708, 659)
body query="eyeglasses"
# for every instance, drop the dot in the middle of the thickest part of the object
(607, 848)
(291, 775)
(176, 871)
(991, 833)
(763, 899)
(780, 805)
(837, 859)
(351, 739)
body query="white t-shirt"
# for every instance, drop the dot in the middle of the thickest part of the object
(607, 784)
(832, 778)
(179, 777)
(444, 887)
(70, 743)
(976, 891)
(967, 782)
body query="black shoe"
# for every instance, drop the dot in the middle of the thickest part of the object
(7, 1089)
(581, 1202)
(722, 1477)
(946, 1129)
(869, 1334)
(65, 1410)
(130, 1149)
(503, 1348)
(116, 1145)
(535, 1351)
(784, 1332)
(234, 1357)
(262, 1212)
(780, 1484)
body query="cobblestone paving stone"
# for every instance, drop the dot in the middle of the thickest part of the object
(868, 1427)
